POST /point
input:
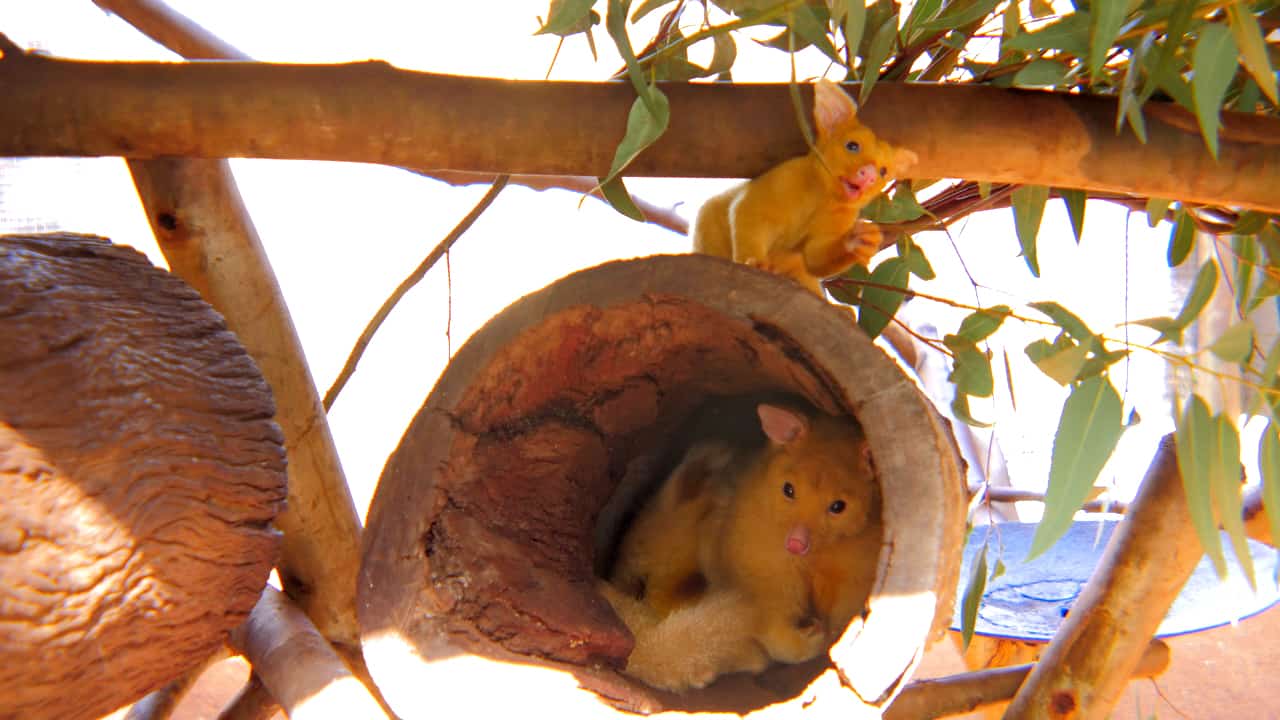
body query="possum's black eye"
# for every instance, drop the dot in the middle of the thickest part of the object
(836, 507)
(852, 146)
(884, 171)
(789, 490)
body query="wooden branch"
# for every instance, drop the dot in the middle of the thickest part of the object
(1149, 558)
(366, 336)
(205, 233)
(371, 112)
(180, 34)
(965, 692)
(663, 217)
(297, 666)
(253, 702)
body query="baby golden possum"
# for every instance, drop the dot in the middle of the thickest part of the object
(800, 218)
(750, 552)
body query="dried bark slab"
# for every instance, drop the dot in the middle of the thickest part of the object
(140, 469)
(479, 548)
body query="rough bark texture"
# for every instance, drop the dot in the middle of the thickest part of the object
(140, 470)
(1149, 558)
(480, 537)
(371, 112)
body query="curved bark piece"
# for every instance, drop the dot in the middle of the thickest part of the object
(140, 471)
(478, 559)
(1149, 558)
(372, 112)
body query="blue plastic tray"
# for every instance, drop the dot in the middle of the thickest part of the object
(1030, 600)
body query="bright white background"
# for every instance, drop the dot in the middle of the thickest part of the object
(342, 236)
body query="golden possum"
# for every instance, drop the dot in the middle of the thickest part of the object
(798, 218)
(750, 554)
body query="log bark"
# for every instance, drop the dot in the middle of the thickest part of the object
(479, 550)
(371, 112)
(297, 666)
(1149, 558)
(140, 471)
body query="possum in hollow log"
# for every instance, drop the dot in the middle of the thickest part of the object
(754, 550)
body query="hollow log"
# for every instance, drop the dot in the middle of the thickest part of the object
(140, 470)
(479, 549)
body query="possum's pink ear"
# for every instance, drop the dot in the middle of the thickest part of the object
(781, 425)
(832, 106)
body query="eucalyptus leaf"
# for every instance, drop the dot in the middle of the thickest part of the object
(960, 411)
(958, 14)
(567, 17)
(1253, 48)
(1062, 363)
(1195, 437)
(1160, 64)
(644, 125)
(855, 23)
(879, 304)
(1087, 434)
(914, 257)
(980, 324)
(1214, 61)
(1181, 238)
(1075, 200)
(615, 193)
(647, 7)
(809, 25)
(881, 45)
(1070, 35)
(1201, 291)
(1066, 320)
(1040, 73)
(971, 368)
(972, 598)
(902, 206)
(1100, 361)
(724, 54)
(1028, 211)
(1224, 479)
(1157, 208)
(1269, 464)
(850, 293)
(1170, 330)
(922, 11)
(1106, 17)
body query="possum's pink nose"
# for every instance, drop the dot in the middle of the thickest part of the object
(798, 540)
(863, 178)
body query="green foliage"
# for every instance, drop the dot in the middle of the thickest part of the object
(972, 598)
(880, 300)
(1088, 431)
(1203, 56)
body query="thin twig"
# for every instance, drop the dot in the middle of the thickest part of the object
(414, 277)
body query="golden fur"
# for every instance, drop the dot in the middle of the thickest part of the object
(749, 556)
(798, 218)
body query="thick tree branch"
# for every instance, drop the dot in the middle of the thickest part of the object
(202, 227)
(371, 112)
(1148, 560)
(962, 693)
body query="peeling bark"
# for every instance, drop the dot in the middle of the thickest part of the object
(140, 472)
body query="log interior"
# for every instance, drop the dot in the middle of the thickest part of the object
(485, 520)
